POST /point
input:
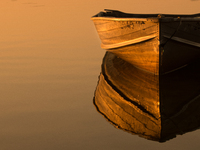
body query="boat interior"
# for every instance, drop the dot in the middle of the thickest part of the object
(119, 14)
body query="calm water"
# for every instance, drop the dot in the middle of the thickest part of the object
(50, 60)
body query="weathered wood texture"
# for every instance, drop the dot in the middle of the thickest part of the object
(116, 31)
(144, 54)
(160, 44)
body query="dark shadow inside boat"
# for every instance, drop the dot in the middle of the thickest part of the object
(116, 13)
(154, 107)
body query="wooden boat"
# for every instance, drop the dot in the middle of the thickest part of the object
(153, 107)
(157, 43)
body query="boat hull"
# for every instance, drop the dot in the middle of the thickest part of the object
(157, 45)
(134, 40)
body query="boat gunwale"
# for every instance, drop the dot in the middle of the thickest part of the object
(153, 19)
(125, 19)
(192, 19)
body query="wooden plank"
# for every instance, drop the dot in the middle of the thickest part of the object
(129, 42)
(120, 31)
(143, 55)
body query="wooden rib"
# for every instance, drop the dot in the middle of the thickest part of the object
(187, 30)
(183, 41)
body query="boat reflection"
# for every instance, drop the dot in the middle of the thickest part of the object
(154, 107)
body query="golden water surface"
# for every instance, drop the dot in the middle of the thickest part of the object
(50, 59)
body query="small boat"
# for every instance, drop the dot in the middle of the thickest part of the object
(157, 43)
